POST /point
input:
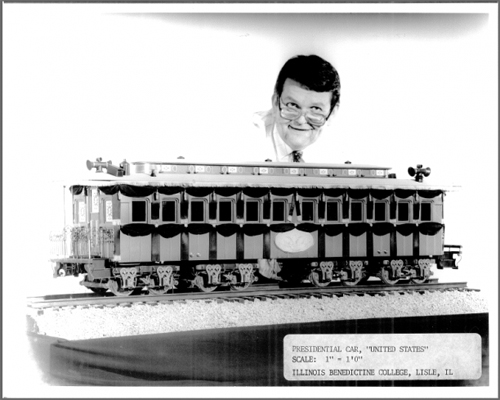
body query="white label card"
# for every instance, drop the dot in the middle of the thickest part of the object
(109, 211)
(382, 357)
(95, 201)
(82, 211)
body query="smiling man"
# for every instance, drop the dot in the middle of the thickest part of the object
(306, 94)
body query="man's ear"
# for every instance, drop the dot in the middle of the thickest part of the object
(275, 100)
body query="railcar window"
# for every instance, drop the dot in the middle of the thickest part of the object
(380, 211)
(252, 211)
(332, 211)
(307, 211)
(138, 211)
(225, 211)
(278, 211)
(197, 211)
(169, 211)
(356, 211)
(155, 210)
(403, 211)
(425, 212)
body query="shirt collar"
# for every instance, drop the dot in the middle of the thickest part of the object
(265, 120)
(282, 150)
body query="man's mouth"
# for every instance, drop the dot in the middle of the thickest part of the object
(299, 129)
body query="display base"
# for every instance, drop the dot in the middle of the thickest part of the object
(249, 356)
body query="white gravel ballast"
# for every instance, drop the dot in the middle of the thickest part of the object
(92, 322)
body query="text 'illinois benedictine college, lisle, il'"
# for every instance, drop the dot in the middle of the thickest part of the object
(382, 357)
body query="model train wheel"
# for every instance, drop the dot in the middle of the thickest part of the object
(98, 290)
(118, 291)
(162, 281)
(418, 281)
(357, 273)
(352, 282)
(384, 276)
(315, 278)
(240, 286)
(159, 290)
(201, 282)
(364, 280)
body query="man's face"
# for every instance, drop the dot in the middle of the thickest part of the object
(299, 133)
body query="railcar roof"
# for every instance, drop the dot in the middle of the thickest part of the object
(264, 164)
(184, 173)
(209, 180)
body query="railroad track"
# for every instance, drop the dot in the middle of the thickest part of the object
(256, 292)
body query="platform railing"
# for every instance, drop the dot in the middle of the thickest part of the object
(82, 242)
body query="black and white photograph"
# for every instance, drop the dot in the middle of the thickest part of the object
(250, 200)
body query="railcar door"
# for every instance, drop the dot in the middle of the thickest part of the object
(381, 245)
(382, 233)
(199, 246)
(199, 231)
(430, 227)
(135, 234)
(406, 216)
(109, 213)
(94, 236)
(227, 229)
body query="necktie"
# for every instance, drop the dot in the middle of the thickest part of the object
(297, 156)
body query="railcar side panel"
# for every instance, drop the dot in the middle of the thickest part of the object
(430, 229)
(438, 212)
(135, 248)
(226, 247)
(404, 244)
(253, 246)
(334, 245)
(125, 212)
(170, 248)
(431, 244)
(358, 245)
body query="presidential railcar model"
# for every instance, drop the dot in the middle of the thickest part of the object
(150, 226)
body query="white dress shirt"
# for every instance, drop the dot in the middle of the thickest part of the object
(282, 152)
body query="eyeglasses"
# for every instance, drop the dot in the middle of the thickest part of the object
(293, 113)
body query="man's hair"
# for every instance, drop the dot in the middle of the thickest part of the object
(313, 73)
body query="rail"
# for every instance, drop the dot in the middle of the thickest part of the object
(263, 292)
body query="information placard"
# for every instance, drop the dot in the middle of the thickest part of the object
(382, 357)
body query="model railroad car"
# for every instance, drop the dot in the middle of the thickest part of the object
(153, 225)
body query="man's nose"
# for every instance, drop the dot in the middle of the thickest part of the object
(302, 119)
